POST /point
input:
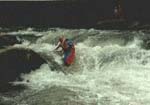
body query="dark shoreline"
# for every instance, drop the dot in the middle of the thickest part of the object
(75, 14)
(106, 25)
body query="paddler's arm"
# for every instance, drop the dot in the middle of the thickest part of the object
(58, 45)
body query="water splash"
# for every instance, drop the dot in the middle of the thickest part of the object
(110, 68)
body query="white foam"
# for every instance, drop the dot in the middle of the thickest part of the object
(111, 74)
(136, 43)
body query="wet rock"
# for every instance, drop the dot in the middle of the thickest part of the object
(13, 62)
(7, 40)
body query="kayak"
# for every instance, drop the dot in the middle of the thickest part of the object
(69, 57)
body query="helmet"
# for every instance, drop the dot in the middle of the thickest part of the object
(61, 39)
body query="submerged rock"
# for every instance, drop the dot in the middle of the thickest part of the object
(56, 95)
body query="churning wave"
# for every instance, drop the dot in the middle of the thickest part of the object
(111, 68)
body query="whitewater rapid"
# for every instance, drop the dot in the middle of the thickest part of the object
(111, 68)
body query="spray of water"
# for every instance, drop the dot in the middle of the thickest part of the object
(108, 70)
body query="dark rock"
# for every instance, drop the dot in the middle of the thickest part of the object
(7, 40)
(13, 62)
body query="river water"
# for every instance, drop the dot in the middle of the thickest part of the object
(112, 67)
